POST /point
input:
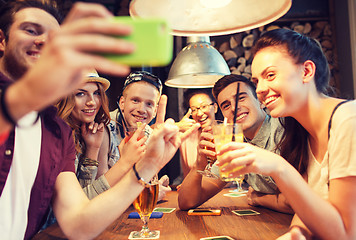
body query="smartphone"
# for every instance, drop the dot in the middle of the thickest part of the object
(218, 238)
(245, 212)
(153, 41)
(204, 212)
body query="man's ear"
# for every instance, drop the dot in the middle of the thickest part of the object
(2, 41)
(308, 71)
(215, 108)
(122, 103)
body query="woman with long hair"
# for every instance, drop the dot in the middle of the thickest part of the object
(317, 167)
(86, 111)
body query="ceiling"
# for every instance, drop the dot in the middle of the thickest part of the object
(117, 7)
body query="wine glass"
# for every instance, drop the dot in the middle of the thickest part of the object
(144, 204)
(239, 180)
(207, 171)
(224, 133)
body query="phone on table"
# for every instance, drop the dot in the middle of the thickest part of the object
(245, 212)
(152, 39)
(204, 212)
(218, 238)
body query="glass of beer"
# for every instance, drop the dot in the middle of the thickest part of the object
(144, 204)
(224, 133)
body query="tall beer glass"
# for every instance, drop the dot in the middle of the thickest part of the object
(144, 204)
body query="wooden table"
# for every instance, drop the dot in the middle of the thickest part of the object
(178, 225)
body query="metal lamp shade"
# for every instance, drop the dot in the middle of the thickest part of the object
(198, 65)
(193, 17)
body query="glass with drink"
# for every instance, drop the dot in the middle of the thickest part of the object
(224, 133)
(207, 171)
(144, 204)
(129, 131)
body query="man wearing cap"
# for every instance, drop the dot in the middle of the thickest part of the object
(138, 104)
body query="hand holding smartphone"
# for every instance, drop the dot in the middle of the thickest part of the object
(153, 41)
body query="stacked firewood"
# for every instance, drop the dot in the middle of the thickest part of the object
(237, 49)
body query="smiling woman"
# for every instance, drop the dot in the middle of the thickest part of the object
(86, 112)
(201, 109)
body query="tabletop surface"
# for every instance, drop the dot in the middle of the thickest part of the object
(179, 225)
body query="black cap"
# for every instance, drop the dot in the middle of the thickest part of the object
(143, 76)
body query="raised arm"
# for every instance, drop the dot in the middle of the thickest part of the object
(196, 189)
(132, 153)
(185, 123)
(317, 214)
(80, 218)
(68, 52)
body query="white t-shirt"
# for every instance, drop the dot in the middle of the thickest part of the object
(340, 158)
(15, 198)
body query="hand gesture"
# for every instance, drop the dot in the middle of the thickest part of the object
(185, 123)
(69, 52)
(92, 134)
(161, 111)
(163, 143)
(133, 147)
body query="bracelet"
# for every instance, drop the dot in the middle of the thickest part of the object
(90, 162)
(4, 108)
(140, 179)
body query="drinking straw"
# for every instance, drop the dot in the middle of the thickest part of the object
(235, 112)
(225, 121)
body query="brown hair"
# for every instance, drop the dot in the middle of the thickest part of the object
(65, 108)
(294, 142)
(9, 9)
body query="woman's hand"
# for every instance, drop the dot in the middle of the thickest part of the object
(235, 155)
(92, 134)
(205, 148)
(186, 123)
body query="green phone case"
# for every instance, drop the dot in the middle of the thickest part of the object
(154, 43)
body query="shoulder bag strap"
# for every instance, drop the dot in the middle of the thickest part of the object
(332, 114)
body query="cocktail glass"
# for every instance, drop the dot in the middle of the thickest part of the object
(224, 133)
